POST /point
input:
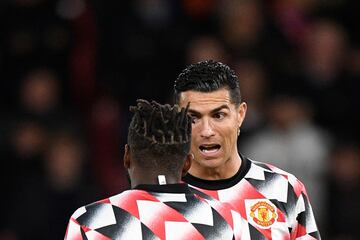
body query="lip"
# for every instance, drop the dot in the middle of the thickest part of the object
(211, 153)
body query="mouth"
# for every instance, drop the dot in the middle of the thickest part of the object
(209, 149)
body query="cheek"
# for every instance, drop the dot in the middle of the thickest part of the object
(195, 131)
(193, 140)
(229, 137)
(193, 144)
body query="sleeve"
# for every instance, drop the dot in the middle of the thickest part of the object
(73, 230)
(78, 228)
(305, 224)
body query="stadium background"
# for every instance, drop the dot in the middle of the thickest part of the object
(69, 69)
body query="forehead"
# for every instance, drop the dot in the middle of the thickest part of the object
(203, 101)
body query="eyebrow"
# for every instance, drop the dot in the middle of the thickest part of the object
(215, 110)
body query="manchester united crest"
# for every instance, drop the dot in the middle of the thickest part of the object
(263, 213)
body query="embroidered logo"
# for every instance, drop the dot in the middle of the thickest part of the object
(263, 214)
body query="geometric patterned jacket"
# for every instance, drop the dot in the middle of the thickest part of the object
(272, 203)
(169, 211)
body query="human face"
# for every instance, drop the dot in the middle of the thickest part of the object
(214, 131)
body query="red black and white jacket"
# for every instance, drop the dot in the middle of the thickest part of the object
(153, 212)
(272, 203)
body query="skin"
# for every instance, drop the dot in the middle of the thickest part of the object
(216, 121)
(140, 175)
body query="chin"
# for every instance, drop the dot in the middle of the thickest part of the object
(211, 163)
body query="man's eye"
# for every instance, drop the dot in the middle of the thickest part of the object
(219, 115)
(194, 118)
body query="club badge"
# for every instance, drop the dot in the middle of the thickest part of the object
(263, 213)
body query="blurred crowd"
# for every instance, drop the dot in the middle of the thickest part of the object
(69, 69)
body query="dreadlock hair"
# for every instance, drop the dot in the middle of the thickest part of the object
(159, 135)
(208, 76)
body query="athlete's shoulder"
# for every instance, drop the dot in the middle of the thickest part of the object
(274, 175)
(102, 204)
(267, 167)
(107, 218)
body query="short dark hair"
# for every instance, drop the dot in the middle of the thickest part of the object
(159, 135)
(208, 76)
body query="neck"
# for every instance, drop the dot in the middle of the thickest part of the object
(141, 177)
(226, 170)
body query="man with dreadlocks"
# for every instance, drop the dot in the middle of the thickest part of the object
(158, 206)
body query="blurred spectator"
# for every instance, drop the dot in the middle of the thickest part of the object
(322, 75)
(39, 92)
(292, 17)
(39, 111)
(32, 35)
(344, 195)
(247, 31)
(294, 143)
(27, 145)
(42, 205)
(40, 97)
(83, 55)
(324, 52)
(21, 162)
(107, 141)
(242, 24)
(206, 47)
(253, 84)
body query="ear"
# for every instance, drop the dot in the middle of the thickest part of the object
(241, 113)
(127, 157)
(187, 164)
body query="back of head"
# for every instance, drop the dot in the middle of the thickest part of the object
(159, 136)
(208, 76)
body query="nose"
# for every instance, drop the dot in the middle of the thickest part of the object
(207, 129)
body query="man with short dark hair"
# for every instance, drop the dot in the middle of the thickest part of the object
(273, 202)
(158, 206)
